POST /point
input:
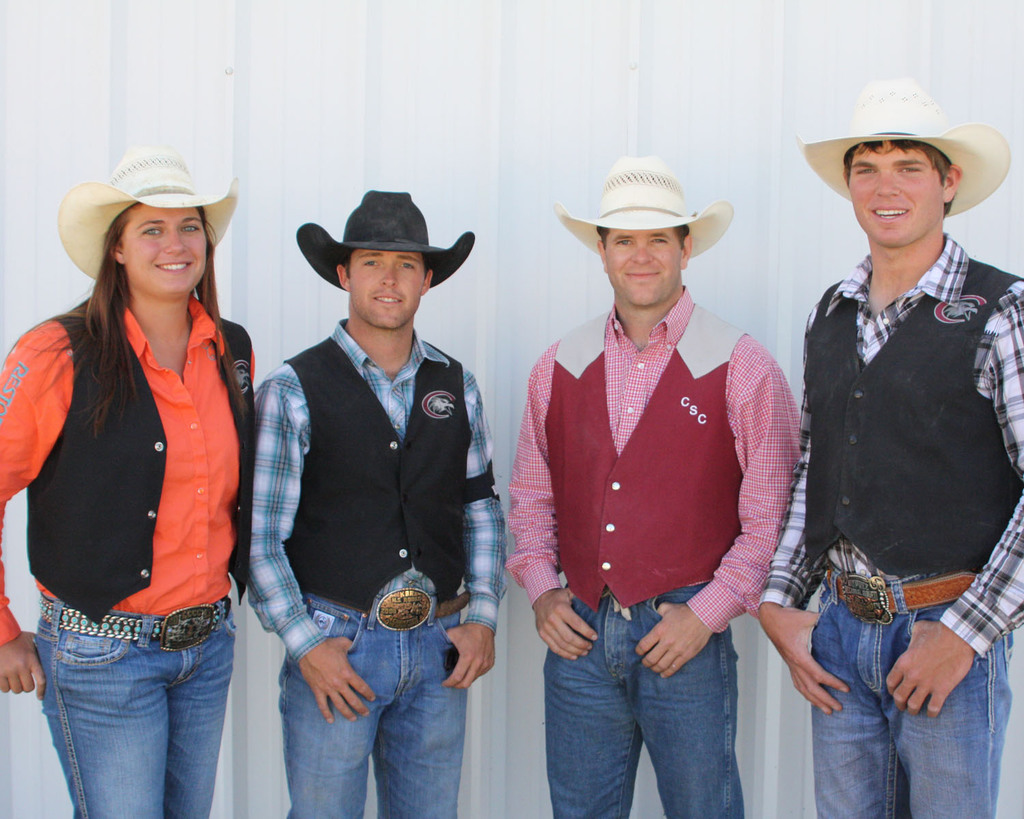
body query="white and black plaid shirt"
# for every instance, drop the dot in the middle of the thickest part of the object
(994, 604)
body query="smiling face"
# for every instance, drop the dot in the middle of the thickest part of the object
(645, 269)
(899, 198)
(385, 288)
(163, 253)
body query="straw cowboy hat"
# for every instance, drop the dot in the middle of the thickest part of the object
(383, 221)
(642, 193)
(901, 109)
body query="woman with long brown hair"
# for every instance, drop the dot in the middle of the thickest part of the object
(129, 420)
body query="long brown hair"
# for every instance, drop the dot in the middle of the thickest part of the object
(97, 333)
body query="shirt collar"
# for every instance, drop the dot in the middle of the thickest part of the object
(359, 358)
(202, 328)
(669, 330)
(942, 281)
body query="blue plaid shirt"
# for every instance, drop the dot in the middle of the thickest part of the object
(282, 441)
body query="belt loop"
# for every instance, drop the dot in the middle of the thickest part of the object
(896, 587)
(146, 632)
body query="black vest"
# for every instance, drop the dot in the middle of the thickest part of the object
(372, 506)
(907, 459)
(92, 508)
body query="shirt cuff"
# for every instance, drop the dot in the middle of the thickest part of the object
(483, 610)
(301, 636)
(709, 608)
(539, 579)
(9, 628)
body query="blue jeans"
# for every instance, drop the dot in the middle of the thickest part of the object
(414, 730)
(137, 728)
(871, 759)
(601, 708)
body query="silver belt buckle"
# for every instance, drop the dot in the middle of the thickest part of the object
(403, 609)
(866, 599)
(187, 627)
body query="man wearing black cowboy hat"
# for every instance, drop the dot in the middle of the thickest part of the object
(374, 503)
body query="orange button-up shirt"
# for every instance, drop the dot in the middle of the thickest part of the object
(195, 524)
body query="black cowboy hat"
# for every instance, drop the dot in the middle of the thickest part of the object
(383, 221)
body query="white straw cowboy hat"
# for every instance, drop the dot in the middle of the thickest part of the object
(154, 175)
(642, 193)
(901, 109)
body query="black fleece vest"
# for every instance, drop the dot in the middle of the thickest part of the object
(372, 506)
(92, 508)
(907, 459)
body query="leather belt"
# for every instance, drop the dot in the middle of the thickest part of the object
(177, 631)
(871, 600)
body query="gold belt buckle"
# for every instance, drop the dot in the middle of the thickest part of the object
(187, 627)
(866, 599)
(403, 609)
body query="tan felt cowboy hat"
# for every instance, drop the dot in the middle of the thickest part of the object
(642, 193)
(901, 109)
(154, 175)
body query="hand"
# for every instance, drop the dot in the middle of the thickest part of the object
(566, 633)
(333, 681)
(475, 643)
(675, 640)
(20, 669)
(932, 666)
(790, 630)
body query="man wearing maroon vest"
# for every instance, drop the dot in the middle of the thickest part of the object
(653, 468)
(907, 497)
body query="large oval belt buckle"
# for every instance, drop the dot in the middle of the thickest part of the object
(403, 609)
(187, 627)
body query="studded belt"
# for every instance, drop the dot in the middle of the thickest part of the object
(177, 631)
(871, 600)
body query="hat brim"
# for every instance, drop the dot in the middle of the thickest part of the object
(89, 209)
(324, 254)
(979, 150)
(706, 228)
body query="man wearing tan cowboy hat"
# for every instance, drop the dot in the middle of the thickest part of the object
(653, 469)
(906, 499)
(373, 504)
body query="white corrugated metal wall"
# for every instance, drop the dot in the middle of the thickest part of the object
(488, 111)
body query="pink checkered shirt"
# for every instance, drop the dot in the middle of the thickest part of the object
(764, 421)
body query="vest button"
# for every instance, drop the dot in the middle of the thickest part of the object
(159, 446)
(853, 439)
(393, 445)
(144, 573)
(403, 553)
(606, 566)
(616, 485)
(845, 501)
(858, 393)
(610, 527)
(151, 514)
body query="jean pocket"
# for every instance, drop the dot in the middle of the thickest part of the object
(86, 649)
(230, 627)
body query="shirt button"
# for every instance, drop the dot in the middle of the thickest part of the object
(629, 410)
(606, 566)
(151, 514)
(193, 425)
(393, 445)
(403, 553)
(159, 446)
(640, 365)
(610, 527)
(200, 491)
(616, 485)
(144, 573)
(199, 556)
(885, 320)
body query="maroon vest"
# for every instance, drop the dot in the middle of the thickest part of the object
(663, 513)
